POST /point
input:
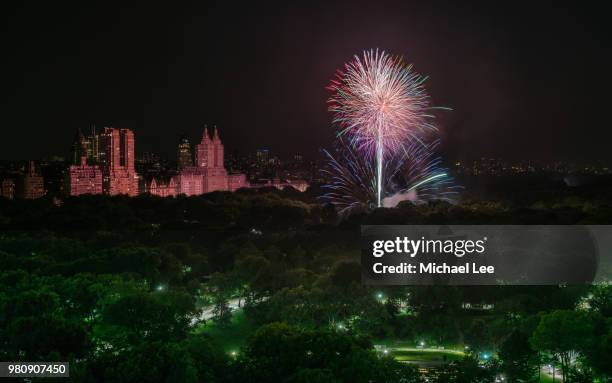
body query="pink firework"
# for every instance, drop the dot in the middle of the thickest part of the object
(379, 103)
(379, 100)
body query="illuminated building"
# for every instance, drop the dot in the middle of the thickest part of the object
(119, 174)
(184, 157)
(93, 146)
(79, 148)
(262, 156)
(162, 187)
(84, 179)
(208, 174)
(86, 145)
(30, 184)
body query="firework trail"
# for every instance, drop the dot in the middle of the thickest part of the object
(415, 174)
(379, 103)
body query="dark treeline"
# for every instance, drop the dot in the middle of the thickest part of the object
(117, 287)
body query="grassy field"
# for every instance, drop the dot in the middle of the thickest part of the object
(424, 355)
(232, 336)
(406, 352)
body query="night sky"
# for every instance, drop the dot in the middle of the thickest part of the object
(523, 82)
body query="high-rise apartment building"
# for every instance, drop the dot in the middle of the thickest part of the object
(119, 174)
(79, 148)
(84, 179)
(184, 158)
(262, 156)
(31, 184)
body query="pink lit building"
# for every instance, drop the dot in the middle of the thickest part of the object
(119, 175)
(208, 174)
(162, 187)
(84, 179)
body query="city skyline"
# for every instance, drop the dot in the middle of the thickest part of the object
(169, 154)
(104, 162)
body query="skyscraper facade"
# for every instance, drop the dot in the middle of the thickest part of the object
(93, 146)
(263, 156)
(209, 173)
(184, 156)
(84, 179)
(119, 174)
(31, 184)
(79, 148)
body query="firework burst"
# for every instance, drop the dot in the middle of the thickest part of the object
(379, 103)
(379, 97)
(415, 175)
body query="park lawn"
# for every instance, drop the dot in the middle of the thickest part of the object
(404, 355)
(231, 336)
(405, 351)
(405, 344)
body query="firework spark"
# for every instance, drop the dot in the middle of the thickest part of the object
(415, 175)
(379, 103)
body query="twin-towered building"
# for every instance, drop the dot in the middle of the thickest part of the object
(207, 175)
(108, 168)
